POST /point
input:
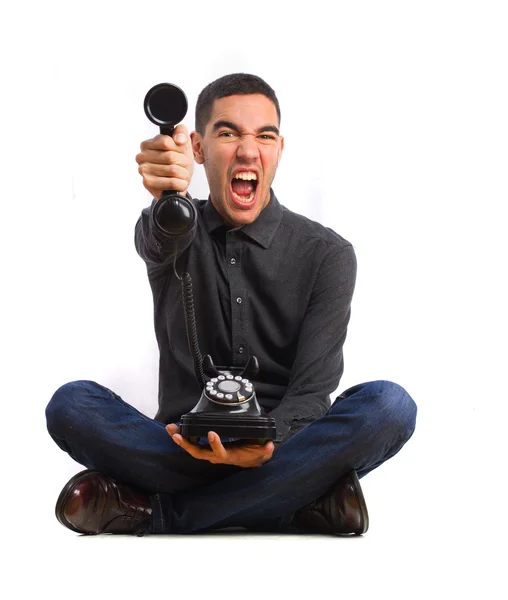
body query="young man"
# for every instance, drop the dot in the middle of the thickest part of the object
(267, 283)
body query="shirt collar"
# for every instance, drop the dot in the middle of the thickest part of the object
(262, 230)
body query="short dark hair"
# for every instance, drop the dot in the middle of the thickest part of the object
(230, 85)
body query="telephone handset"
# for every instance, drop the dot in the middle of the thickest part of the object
(228, 403)
(166, 105)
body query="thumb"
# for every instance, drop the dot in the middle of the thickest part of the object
(181, 135)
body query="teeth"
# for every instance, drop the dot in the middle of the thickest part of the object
(246, 176)
(244, 198)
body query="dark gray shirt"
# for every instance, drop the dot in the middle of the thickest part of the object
(279, 288)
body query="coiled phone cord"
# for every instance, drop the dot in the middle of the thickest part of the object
(190, 324)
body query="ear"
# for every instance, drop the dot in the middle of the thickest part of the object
(281, 149)
(197, 147)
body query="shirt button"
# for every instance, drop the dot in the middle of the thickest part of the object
(238, 300)
(240, 349)
(232, 261)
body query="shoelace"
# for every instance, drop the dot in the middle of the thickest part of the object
(135, 513)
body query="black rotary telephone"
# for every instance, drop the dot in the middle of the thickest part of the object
(228, 403)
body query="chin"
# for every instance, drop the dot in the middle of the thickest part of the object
(245, 220)
(238, 217)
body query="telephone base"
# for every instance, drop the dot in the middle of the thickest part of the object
(253, 429)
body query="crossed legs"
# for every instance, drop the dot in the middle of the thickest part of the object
(364, 427)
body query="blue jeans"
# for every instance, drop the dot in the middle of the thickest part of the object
(365, 426)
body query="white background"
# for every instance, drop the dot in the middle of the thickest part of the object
(396, 128)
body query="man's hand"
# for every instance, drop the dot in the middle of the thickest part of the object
(167, 163)
(240, 456)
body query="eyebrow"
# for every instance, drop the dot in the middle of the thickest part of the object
(218, 124)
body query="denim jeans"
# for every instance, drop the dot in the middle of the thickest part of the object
(365, 426)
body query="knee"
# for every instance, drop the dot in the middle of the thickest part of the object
(395, 407)
(66, 405)
(385, 404)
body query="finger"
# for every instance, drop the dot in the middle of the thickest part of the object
(216, 445)
(172, 428)
(159, 142)
(163, 157)
(192, 449)
(264, 452)
(166, 142)
(158, 184)
(264, 446)
(269, 448)
(175, 171)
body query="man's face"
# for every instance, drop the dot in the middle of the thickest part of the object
(240, 151)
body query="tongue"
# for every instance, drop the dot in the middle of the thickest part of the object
(241, 187)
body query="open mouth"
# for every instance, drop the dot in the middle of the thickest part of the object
(243, 187)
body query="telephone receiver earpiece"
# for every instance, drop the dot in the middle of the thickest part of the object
(166, 105)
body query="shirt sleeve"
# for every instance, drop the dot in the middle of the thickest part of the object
(319, 361)
(157, 250)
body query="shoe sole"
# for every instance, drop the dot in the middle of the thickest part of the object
(361, 503)
(64, 497)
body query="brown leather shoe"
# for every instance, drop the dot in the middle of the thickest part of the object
(94, 503)
(341, 510)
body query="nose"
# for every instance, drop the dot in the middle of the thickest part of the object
(247, 148)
